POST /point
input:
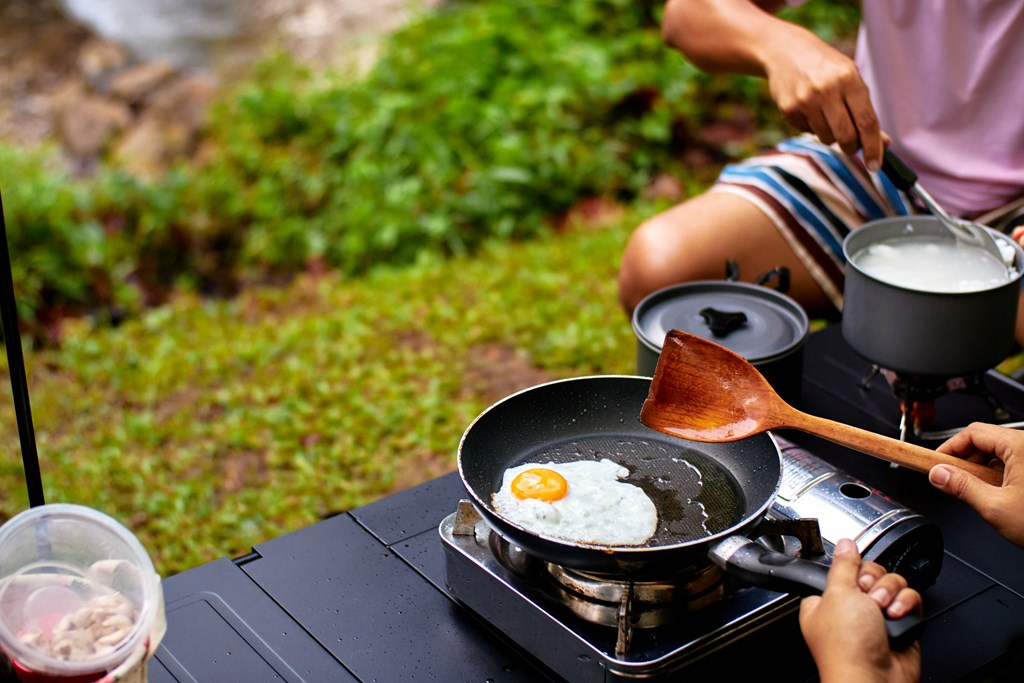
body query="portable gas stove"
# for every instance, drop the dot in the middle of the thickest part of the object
(595, 628)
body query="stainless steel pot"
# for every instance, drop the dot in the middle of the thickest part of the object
(916, 332)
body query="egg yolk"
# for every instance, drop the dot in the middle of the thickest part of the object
(539, 483)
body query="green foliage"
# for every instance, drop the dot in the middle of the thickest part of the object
(207, 427)
(57, 250)
(481, 120)
(832, 20)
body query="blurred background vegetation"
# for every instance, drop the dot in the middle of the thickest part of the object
(308, 317)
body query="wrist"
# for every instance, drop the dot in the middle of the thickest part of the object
(844, 671)
(787, 48)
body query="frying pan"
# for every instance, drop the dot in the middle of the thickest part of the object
(590, 418)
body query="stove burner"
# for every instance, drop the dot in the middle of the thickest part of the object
(918, 395)
(688, 593)
(617, 602)
(627, 605)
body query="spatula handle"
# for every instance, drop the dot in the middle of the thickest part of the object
(892, 450)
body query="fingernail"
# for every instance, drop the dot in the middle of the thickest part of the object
(897, 609)
(873, 166)
(880, 595)
(939, 475)
(844, 546)
(865, 581)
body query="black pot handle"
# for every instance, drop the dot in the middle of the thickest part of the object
(722, 323)
(757, 565)
(781, 273)
(899, 173)
(732, 274)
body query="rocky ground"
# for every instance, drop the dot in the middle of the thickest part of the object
(61, 81)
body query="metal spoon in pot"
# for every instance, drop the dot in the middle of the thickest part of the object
(704, 392)
(966, 233)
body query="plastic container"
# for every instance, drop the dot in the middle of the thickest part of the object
(79, 598)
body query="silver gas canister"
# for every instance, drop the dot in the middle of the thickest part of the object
(886, 532)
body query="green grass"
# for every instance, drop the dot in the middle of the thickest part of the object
(207, 427)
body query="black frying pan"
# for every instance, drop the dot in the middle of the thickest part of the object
(598, 417)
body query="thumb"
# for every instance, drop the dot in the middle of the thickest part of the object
(959, 484)
(807, 607)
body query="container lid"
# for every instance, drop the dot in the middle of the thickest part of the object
(756, 322)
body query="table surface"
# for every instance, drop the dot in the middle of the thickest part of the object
(361, 596)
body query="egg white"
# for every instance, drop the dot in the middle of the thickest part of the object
(598, 508)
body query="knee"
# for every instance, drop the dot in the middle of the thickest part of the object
(655, 257)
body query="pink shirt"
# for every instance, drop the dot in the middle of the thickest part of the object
(947, 80)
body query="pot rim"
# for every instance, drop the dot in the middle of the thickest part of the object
(857, 233)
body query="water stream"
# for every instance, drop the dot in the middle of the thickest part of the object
(183, 32)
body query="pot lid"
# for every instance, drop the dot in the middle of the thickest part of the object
(756, 322)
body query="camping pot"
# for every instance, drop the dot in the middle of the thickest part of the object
(914, 332)
(763, 325)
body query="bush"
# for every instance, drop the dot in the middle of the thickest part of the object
(485, 119)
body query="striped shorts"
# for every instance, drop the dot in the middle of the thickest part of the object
(815, 194)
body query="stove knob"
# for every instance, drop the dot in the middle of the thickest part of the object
(913, 549)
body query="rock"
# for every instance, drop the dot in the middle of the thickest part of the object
(186, 100)
(591, 213)
(62, 79)
(85, 122)
(137, 82)
(150, 146)
(664, 186)
(99, 57)
(168, 128)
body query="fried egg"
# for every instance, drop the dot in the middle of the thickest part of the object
(581, 501)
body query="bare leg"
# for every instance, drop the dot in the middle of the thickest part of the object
(693, 240)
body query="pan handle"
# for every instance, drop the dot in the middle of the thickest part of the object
(757, 565)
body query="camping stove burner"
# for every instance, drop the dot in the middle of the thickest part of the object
(614, 601)
(600, 599)
(918, 395)
(644, 604)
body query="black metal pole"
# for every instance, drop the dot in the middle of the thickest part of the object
(16, 366)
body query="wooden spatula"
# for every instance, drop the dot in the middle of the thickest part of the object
(704, 392)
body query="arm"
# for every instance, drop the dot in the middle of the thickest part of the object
(1000, 506)
(845, 629)
(816, 87)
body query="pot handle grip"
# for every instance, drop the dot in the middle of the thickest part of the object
(757, 565)
(899, 173)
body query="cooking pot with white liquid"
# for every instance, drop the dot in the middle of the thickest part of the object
(918, 304)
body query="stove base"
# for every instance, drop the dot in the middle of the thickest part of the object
(580, 651)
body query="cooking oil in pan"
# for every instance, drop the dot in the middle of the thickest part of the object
(696, 497)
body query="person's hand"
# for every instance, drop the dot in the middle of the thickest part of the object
(1000, 506)
(845, 628)
(1018, 235)
(819, 89)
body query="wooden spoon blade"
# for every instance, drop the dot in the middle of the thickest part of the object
(703, 391)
